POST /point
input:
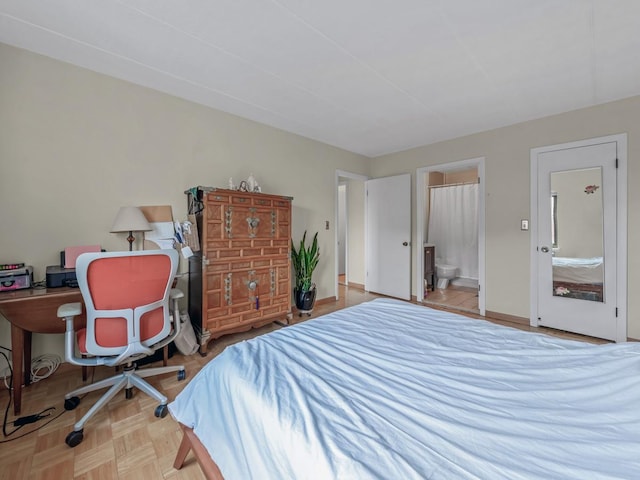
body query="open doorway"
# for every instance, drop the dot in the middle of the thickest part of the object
(350, 230)
(342, 232)
(450, 233)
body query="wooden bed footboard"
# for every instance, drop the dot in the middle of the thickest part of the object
(190, 442)
(584, 291)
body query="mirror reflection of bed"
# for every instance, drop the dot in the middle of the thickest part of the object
(579, 278)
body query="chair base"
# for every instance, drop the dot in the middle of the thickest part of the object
(127, 379)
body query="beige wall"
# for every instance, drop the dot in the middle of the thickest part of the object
(76, 145)
(507, 156)
(469, 175)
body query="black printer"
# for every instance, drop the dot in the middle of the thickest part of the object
(58, 276)
(61, 275)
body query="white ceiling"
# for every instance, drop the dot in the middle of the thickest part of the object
(369, 76)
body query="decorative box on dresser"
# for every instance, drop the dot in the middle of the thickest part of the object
(241, 277)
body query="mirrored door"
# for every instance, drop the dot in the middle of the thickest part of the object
(576, 244)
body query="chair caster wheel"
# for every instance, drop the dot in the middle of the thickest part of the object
(182, 375)
(74, 438)
(71, 403)
(128, 393)
(161, 411)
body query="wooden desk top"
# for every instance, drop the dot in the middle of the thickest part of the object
(35, 309)
(28, 293)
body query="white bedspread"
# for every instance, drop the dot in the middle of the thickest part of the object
(389, 390)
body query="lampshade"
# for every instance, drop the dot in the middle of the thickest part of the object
(130, 219)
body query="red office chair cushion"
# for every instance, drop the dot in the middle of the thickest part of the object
(112, 332)
(126, 282)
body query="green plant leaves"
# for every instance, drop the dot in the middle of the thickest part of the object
(305, 260)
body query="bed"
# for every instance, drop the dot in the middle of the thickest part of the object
(392, 390)
(578, 277)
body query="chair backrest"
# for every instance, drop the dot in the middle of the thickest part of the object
(126, 296)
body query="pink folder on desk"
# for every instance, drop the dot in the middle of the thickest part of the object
(72, 253)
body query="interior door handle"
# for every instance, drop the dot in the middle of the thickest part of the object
(405, 244)
(544, 249)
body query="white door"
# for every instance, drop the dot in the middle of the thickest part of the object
(576, 240)
(388, 251)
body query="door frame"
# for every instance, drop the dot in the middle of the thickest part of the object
(343, 220)
(621, 226)
(422, 176)
(352, 176)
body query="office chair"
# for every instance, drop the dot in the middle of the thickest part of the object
(127, 297)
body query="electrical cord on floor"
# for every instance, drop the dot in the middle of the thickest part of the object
(42, 367)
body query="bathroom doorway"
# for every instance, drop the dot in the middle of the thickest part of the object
(450, 228)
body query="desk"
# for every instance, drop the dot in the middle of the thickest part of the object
(32, 311)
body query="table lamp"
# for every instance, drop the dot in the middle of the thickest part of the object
(130, 219)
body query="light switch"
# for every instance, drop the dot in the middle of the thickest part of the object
(326, 224)
(524, 224)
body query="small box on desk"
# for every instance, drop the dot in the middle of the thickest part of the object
(16, 279)
(58, 276)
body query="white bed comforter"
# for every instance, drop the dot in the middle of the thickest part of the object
(389, 390)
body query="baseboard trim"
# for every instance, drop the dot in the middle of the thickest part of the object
(322, 301)
(507, 318)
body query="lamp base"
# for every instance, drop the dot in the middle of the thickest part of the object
(131, 239)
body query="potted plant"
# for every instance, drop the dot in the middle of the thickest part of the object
(305, 260)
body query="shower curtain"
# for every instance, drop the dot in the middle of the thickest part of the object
(453, 227)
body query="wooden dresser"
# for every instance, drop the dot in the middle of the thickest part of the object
(241, 277)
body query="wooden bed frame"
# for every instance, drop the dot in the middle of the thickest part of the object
(592, 291)
(190, 442)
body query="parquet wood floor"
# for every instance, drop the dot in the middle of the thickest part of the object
(124, 440)
(461, 298)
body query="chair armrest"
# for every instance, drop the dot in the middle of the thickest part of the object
(175, 293)
(69, 310)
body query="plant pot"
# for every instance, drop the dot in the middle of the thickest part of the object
(305, 300)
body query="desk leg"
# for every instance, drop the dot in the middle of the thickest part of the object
(27, 358)
(17, 358)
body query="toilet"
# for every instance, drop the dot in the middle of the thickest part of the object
(445, 273)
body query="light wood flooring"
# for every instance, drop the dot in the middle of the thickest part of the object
(455, 297)
(124, 440)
